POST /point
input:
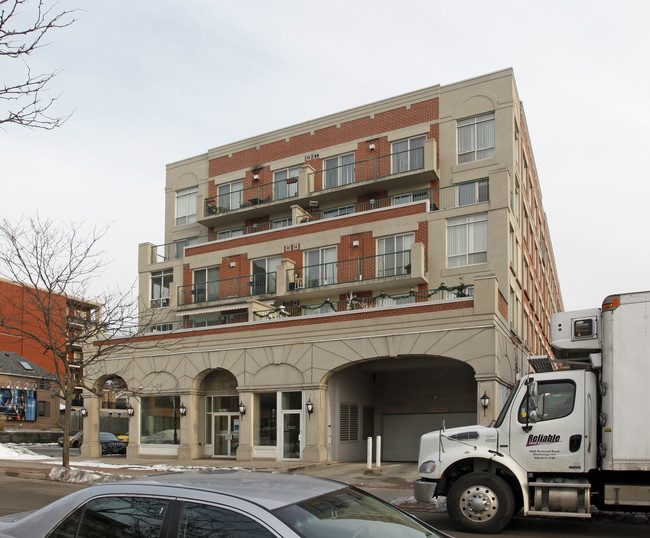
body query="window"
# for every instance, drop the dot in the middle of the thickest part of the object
(161, 328)
(282, 223)
(320, 267)
(43, 408)
(408, 155)
(473, 192)
(163, 420)
(115, 516)
(467, 239)
(286, 182)
(349, 423)
(180, 246)
(338, 212)
(160, 281)
(555, 400)
(186, 206)
(205, 521)
(264, 272)
(339, 171)
(206, 285)
(227, 234)
(230, 196)
(476, 138)
(394, 255)
(266, 419)
(408, 198)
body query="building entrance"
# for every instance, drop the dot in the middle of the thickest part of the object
(226, 435)
(222, 426)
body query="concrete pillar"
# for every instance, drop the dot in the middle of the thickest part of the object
(133, 449)
(245, 448)
(91, 447)
(190, 448)
(486, 294)
(315, 426)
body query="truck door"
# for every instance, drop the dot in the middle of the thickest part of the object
(555, 442)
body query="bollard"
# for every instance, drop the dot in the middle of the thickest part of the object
(369, 466)
(379, 452)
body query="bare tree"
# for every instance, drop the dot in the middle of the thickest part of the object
(24, 24)
(55, 267)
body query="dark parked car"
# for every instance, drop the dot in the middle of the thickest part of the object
(221, 503)
(111, 444)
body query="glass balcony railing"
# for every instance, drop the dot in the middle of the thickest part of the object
(442, 293)
(353, 270)
(227, 288)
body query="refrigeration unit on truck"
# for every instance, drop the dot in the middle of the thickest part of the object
(575, 432)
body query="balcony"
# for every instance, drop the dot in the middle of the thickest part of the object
(354, 303)
(450, 197)
(226, 289)
(351, 304)
(405, 268)
(355, 179)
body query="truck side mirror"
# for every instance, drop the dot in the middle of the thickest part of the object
(532, 417)
(532, 395)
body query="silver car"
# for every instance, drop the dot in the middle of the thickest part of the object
(228, 503)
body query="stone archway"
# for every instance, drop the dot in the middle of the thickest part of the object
(400, 399)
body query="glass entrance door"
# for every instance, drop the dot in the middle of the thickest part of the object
(226, 434)
(291, 435)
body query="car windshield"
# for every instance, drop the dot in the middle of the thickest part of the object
(107, 437)
(349, 512)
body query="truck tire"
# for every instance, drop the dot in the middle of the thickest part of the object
(480, 502)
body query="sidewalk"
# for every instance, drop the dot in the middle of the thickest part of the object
(392, 482)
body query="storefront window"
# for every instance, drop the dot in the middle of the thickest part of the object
(266, 419)
(160, 420)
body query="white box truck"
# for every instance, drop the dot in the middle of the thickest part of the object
(574, 432)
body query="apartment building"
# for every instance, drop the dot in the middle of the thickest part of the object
(378, 271)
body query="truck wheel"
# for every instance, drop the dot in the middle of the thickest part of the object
(480, 502)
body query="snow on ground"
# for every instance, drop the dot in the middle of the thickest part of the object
(17, 452)
(77, 474)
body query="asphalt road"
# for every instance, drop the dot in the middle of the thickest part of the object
(22, 494)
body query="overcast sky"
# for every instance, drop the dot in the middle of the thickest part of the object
(152, 82)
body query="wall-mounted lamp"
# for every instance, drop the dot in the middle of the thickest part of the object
(232, 264)
(182, 410)
(310, 407)
(130, 411)
(355, 243)
(84, 412)
(256, 177)
(313, 203)
(242, 408)
(371, 147)
(485, 401)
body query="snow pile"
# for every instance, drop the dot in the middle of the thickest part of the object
(16, 452)
(79, 476)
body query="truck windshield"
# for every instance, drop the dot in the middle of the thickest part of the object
(504, 410)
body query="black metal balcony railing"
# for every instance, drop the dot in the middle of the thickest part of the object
(353, 270)
(353, 302)
(450, 197)
(227, 288)
(197, 323)
(368, 169)
(252, 196)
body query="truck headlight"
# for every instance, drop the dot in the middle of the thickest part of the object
(427, 467)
